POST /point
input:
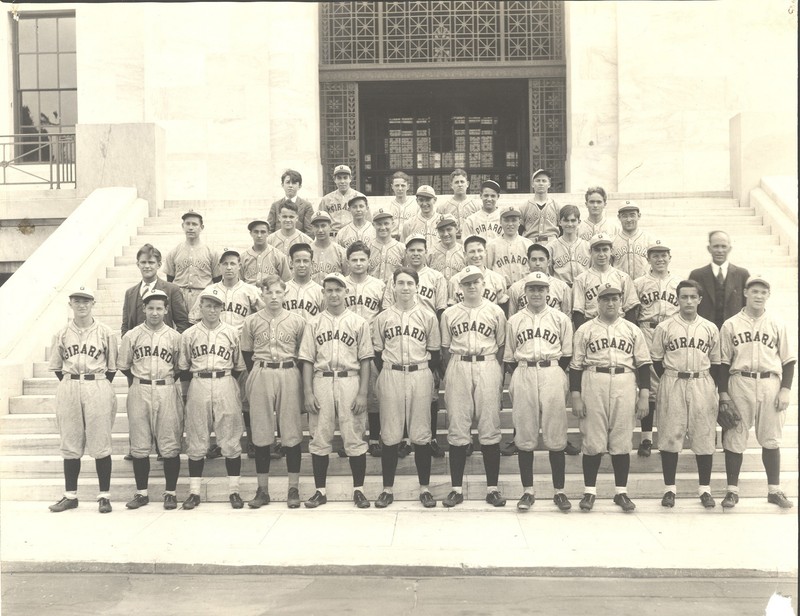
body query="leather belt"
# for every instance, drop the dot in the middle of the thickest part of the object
(168, 381)
(212, 375)
(545, 363)
(757, 375)
(686, 375)
(340, 374)
(278, 365)
(648, 324)
(87, 377)
(608, 369)
(411, 368)
(540, 238)
(474, 358)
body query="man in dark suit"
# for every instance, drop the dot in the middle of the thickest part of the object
(291, 182)
(723, 282)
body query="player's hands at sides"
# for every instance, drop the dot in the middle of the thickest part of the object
(782, 401)
(360, 405)
(643, 403)
(578, 408)
(310, 404)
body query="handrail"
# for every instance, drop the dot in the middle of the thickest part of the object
(25, 155)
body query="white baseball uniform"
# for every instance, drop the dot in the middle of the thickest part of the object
(587, 229)
(587, 285)
(540, 220)
(193, 267)
(569, 260)
(307, 299)
(335, 203)
(419, 225)
(447, 261)
(351, 233)
(559, 296)
(494, 287)
(508, 257)
(385, 258)
(483, 223)
(283, 242)
(401, 212)
(629, 253)
(332, 258)
(257, 265)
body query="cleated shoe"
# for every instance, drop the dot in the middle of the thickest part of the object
(587, 502)
(668, 500)
(526, 502)
(316, 500)
(261, 499)
(138, 500)
(453, 499)
(293, 498)
(64, 504)
(624, 501)
(562, 502)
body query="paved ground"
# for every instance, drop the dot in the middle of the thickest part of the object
(248, 595)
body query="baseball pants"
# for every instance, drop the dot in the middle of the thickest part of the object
(275, 392)
(537, 400)
(373, 402)
(213, 404)
(336, 396)
(755, 400)
(155, 413)
(405, 401)
(687, 406)
(473, 390)
(85, 412)
(610, 401)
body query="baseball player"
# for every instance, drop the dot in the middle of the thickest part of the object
(211, 361)
(270, 342)
(336, 352)
(191, 264)
(756, 373)
(538, 350)
(597, 222)
(629, 247)
(359, 229)
(540, 214)
(447, 255)
(508, 254)
(387, 253)
(303, 295)
(262, 259)
(403, 206)
(685, 350)
(460, 205)
(329, 256)
(559, 295)
(424, 223)
(473, 335)
(365, 295)
(609, 356)
(494, 286)
(570, 253)
(658, 299)
(83, 356)
(287, 235)
(406, 342)
(335, 203)
(588, 284)
(148, 357)
(486, 221)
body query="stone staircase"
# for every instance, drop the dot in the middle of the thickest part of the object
(31, 468)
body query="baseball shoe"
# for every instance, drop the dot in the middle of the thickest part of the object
(250, 449)
(404, 449)
(571, 450)
(470, 449)
(214, 452)
(276, 452)
(427, 500)
(707, 500)
(236, 500)
(128, 457)
(436, 449)
(779, 498)
(508, 449)
(644, 448)
(562, 502)
(384, 500)
(668, 500)
(453, 499)
(170, 501)
(293, 498)
(359, 500)
(495, 499)
(730, 500)
(259, 500)
(138, 500)
(526, 502)
(375, 450)
(103, 505)
(625, 502)
(587, 502)
(64, 504)
(316, 500)
(191, 502)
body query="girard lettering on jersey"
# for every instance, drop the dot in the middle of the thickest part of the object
(487, 293)
(198, 350)
(263, 338)
(465, 327)
(652, 297)
(237, 309)
(301, 304)
(362, 300)
(685, 342)
(511, 260)
(530, 334)
(144, 351)
(482, 228)
(77, 349)
(610, 343)
(337, 336)
(756, 336)
(404, 330)
(563, 260)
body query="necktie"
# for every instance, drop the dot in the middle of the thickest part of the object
(145, 289)
(720, 278)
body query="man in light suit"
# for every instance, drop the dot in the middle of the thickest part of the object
(148, 260)
(722, 281)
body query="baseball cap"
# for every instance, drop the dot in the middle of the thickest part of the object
(416, 237)
(84, 292)
(471, 273)
(541, 247)
(212, 293)
(381, 213)
(358, 198)
(600, 238)
(609, 289)
(339, 169)
(335, 277)
(512, 211)
(540, 172)
(446, 221)
(321, 216)
(191, 213)
(657, 246)
(228, 251)
(426, 190)
(628, 206)
(155, 294)
(475, 238)
(756, 279)
(537, 278)
(490, 184)
(255, 223)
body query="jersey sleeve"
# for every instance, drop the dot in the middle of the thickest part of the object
(629, 297)
(194, 312)
(579, 348)
(511, 340)
(365, 350)
(566, 335)
(216, 271)
(125, 358)
(236, 355)
(785, 348)
(112, 349)
(56, 362)
(500, 334)
(715, 352)
(282, 265)
(434, 335)
(513, 300)
(169, 263)
(566, 302)
(444, 328)
(246, 337)
(377, 334)
(185, 360)
(388, 295)
(657, 346)
(502, 293)
(579, 295)
(440, 294)
(641, 354)
(307, 346)
(726, 343)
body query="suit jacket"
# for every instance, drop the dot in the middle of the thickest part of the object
(133, 312)
(733, 301)
(305, 211)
